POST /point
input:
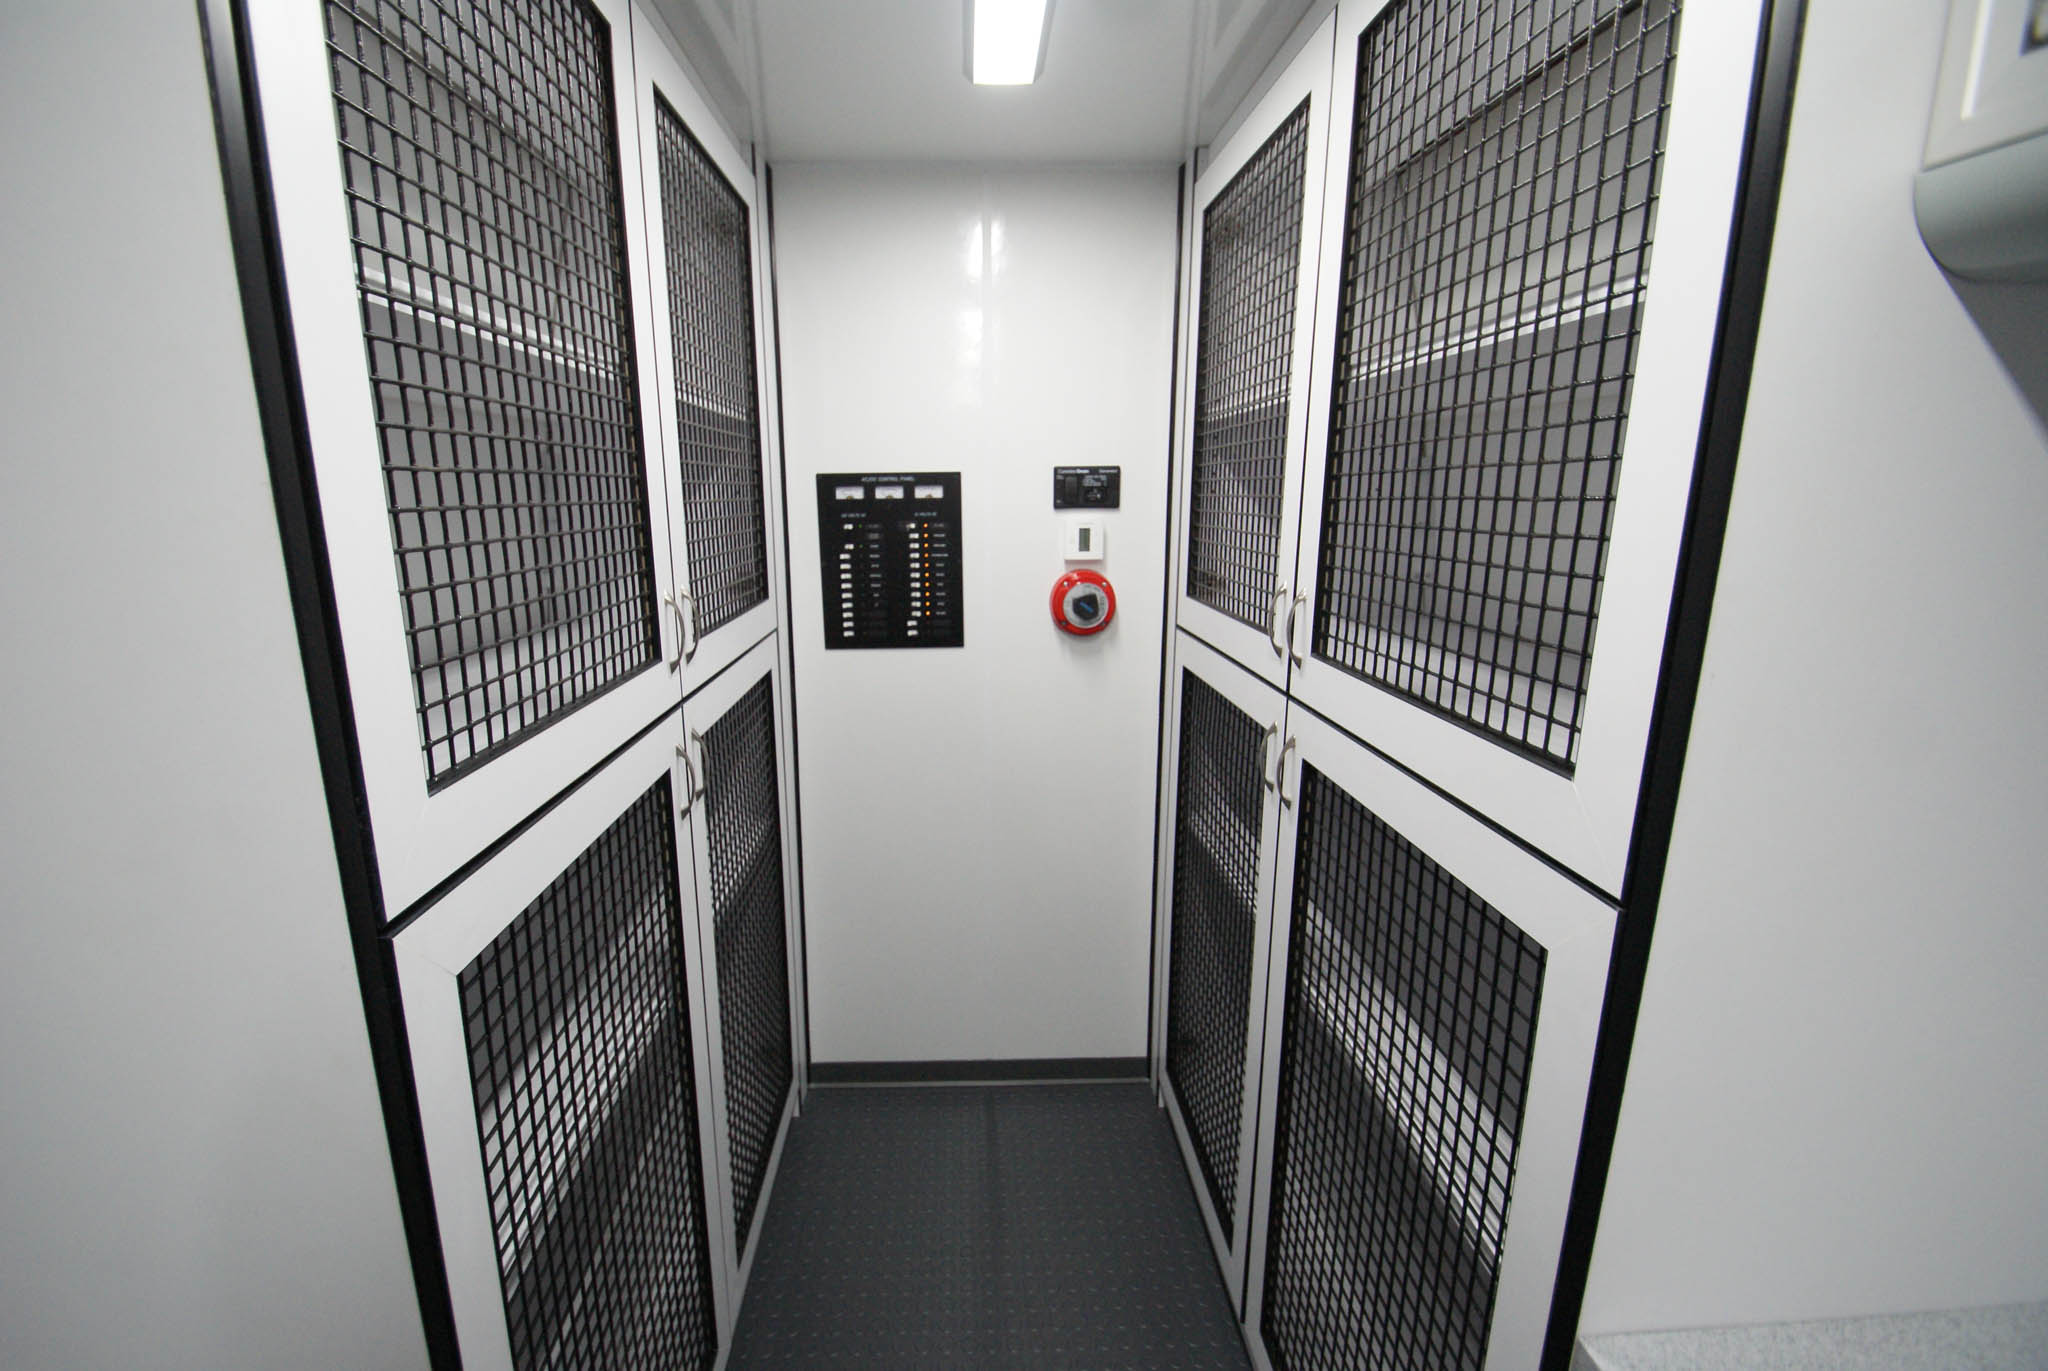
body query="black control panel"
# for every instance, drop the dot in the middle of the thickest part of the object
(1087, 487)
(889, 553)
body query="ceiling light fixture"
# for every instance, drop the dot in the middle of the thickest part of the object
(1009, 41)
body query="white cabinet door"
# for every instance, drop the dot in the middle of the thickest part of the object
(555, 1005)
(710, 326)
(1224, 799)
(1523, 241)
(743, 859)
(1433, 1002)
(1255, 239)
(458, 212)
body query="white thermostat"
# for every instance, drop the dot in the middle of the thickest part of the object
(1081, 539)
(1982, 195)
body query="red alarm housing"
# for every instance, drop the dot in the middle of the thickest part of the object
(1083, 602)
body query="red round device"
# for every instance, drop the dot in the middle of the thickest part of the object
(1083, 602)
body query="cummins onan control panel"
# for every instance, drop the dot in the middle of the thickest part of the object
(1087, 487)
(889, 554)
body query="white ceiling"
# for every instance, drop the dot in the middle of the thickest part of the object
(886, 80)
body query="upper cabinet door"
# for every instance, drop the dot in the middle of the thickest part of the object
(458, 209)
(1255, 239)
(1523, 243)
(709, 322)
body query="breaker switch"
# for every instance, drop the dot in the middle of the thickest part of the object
(1083, 603)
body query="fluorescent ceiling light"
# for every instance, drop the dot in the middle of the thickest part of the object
(1008, 41)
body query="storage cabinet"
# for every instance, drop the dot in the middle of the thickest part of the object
(740, 857)
(555, 1003)
(1463, 503)
(1258, 208)
(1464, 493)
(708, 303)
(603, 1044)
(1523, 245)
(1225, 808)
(1431, 1013)
(521, 257)
(457, 206)
(527, 297)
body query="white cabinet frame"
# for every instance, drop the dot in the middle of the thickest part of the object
(785, 666)
(1575, 929)
(658, 72)
(1584, 818)
(1266, 707)
(431, 955)
(1169, 710)
(422, 836)
(1307, 77)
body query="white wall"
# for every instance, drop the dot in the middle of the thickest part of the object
(977, 822)
(1838, 1103)
(192, 1168)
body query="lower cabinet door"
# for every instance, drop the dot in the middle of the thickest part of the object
(1225, 809)
(1432, 1007)
(554, 1004)
(740, 861)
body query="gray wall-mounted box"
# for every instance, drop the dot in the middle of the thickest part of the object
(1982, 194)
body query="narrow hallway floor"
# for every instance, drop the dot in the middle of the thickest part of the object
(1048, 1227)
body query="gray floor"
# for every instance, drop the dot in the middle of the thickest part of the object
(1027, 1226)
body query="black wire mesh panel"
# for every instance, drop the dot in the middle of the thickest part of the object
(744, 834)
(480, 155)
(578, 1024)
(1251, 263)
(711, 320)
(1410, 1012)
(1215, 903)
(1497, 239)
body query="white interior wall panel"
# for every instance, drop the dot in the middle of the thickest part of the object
(978, 821)
(196, 1173)
(1836, 1104)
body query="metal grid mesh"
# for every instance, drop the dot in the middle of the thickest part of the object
(1215, 902)
(744, 834)
(578, 1024)
(1502, 200)
(1411, 1009)
(481, 164)
(1251, 264)
(711, 320)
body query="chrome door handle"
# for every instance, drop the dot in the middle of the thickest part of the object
(689, 782)
(704, 788)
(1273, 628)
(1266, 743)
(686, 648)
(1280, 773)
(1300, 603)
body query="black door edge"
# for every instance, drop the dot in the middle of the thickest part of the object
(274, 364)
(1685, 642)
